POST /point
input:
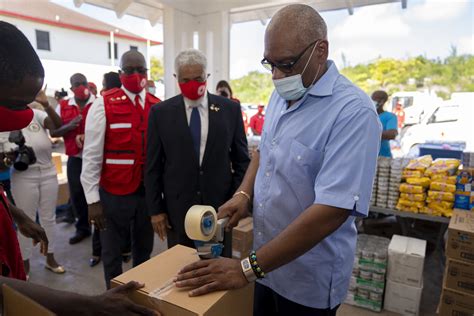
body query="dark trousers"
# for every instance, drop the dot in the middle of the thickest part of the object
(97, 246)
(268, 303)
(78, 199)
(125, 215)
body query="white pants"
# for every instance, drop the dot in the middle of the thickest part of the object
(36, 189)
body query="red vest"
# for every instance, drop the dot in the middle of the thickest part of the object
(68, 113)
(125, 142)
(10, 255)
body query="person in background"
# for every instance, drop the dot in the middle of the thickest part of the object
(21, 77)
(197, 151)
(224, 90)
(93, 88)
(388, 121)
(110, 81)
(114, 160)
(257, 121)
(151, 87)
(5, 146)
(73, 113)
(36, 188)
(310, 179)
(400, 113)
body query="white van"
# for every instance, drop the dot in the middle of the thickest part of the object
(451, 122)
(415, 104)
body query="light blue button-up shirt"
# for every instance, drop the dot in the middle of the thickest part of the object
(322, 150)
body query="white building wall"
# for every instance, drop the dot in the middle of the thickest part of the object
(74, 46)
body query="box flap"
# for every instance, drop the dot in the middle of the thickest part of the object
(462, 220)
(17, 304)
(158, 273)
(416, 247)
(398, 244)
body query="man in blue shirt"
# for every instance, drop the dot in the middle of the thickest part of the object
(312, 176)
(388, 120)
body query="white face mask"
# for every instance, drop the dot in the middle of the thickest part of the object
(152, 90)
(291, 88)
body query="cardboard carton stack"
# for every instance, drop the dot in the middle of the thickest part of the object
(242, 238)
(383, 177)
(406, 258)
(368, 275)
(457, 297)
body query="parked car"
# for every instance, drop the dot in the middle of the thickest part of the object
(415, 105)
(450, 122)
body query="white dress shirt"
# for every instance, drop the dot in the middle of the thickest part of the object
(202, 105)
(93, 152)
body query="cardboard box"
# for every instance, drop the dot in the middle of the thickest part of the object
(17, 304)
(63, 191)
(456, 303)
(403, 299)
(58, 163)
(459, 276)
(242, 238)
(406, 258)
(160, 293)
(460, 244)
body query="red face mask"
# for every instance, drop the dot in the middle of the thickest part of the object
(81, 92)
(134, 83)
(13, 120)
(193, 89)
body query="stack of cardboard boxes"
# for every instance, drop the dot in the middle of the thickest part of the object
(406, 258)
(457, 297)
(242, 238)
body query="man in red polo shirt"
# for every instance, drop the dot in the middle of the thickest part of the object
(21, 77)
(256, 122)
(73, 112)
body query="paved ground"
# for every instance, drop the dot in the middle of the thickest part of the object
(80, 278)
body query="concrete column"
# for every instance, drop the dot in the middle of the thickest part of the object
(214, 33)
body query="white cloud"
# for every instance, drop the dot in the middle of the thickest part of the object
(371, 22)
(465, 45)
(437, 10)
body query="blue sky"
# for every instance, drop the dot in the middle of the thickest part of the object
(426, 27)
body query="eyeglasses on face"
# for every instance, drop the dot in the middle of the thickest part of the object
(285, 67)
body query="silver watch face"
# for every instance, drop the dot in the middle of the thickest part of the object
(246, 264)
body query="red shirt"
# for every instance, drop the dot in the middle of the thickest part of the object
(11, 262)
(256, 123)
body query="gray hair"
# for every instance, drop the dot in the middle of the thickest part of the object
(190, 57)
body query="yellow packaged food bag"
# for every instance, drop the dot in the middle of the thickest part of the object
(411, 174)
(410, 188)
(443, 179)
(412, 209)
(440, 196)
(429, 211)
(420, 163)
(413, 197)
(438, 186)
(440, 205)
(447, 167)
(424, 182)
(408, 203)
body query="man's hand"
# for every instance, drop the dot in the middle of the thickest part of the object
(41, 97)
(30, 229)
(236, 208)
(80, 140)
(212, 275)
(96, 216)
(75, 122)
(160, 225)
(116, 302)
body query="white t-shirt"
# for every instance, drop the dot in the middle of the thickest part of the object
(37, 137)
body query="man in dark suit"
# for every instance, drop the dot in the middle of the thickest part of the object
(196, 151)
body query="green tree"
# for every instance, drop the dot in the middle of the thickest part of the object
(156, 71)
(255, 87)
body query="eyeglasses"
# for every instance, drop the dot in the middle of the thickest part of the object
(199, 79)
(285, 67)
(132, 70)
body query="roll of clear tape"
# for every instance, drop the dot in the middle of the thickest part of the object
(200, 222)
